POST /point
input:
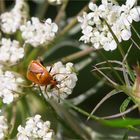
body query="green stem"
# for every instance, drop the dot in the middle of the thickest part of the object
(135, 31)
(41, 10)
(13, 120)
(2, 6)
(114, 92)
(108, 62)
(32, 55)
(80, 110)
(135, 43)
(61, 12)
(112, 82)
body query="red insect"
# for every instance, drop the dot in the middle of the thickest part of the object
(38, 74)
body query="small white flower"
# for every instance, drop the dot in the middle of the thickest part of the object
(9, 86)
(3, 127)
(96, 39)
(85, 20)
(109, 43)
(126, 34)
(52, 28)
(37, 33)
(95, 14)
(10, 51)
(130, 3)
(108, 9)
(7, 96)
(87, 34)
(48, 136)
(69, 66)
(11, 21)
(110, 46)
(130, 12)
(135, 13)
(35, 128)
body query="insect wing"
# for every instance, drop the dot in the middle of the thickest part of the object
(36, 67)
(32, 77)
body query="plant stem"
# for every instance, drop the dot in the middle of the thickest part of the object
(110, 65)
(33, 55)
(122, 113)
(61, 12)
(79, 110)
(135, 31)
(113, 92)
(13, 120)
(77, 55)
(2, 6)
(42, 8)
(135, 43)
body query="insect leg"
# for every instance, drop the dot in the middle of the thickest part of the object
(46, 92)
(27, 86)
(50, 69)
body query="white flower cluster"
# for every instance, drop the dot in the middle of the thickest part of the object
(9, 85)
(35, 129)
(119, 18)
(10, 51)
(3, 127)
(66, 80)
(37, 33)
(11, 21)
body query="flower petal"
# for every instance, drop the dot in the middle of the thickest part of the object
(126, 34)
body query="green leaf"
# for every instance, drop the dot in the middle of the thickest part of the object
(125, 104)
(120, 122)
